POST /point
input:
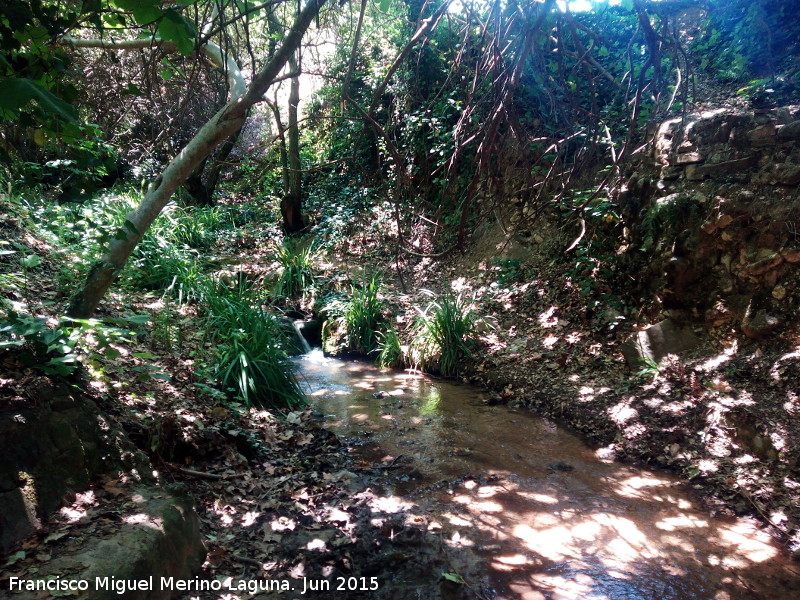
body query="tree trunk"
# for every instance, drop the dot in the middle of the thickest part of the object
(292, 203)
(229, 119)
(219, 163)
(196, 188)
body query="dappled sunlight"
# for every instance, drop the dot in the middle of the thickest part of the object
(593, 528)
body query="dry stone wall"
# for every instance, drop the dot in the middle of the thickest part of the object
(717, 207)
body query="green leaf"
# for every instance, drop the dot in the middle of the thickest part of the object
(385, 4)
(16, 93)
(138, 319)
(174, 27)
(454, 577)
(17, 556)
(133, 90)
(30, 261)
(166, 74)
(145, 15)
(111, 353)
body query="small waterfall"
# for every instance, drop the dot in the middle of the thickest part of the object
(302, 342)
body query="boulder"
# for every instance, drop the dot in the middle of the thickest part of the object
(759, 324)
(657, 341)
(158, 536)
(54, 443)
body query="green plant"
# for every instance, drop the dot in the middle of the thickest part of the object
(508, 270)
(197, 228)
(444, 335)
(667, 217)
(649, 368)
(297, 274)
(363, 316)
(50, 351)
(57, 351)
(390, 349)
(167, 328)
(250, 356)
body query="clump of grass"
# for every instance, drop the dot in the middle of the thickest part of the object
(390, 350)
(444, 335)
(297, 274)
(198, 228)
(363, 316)
(250, 356)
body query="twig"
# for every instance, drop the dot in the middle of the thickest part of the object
(203, 474)
(392, 464)
(247, 561)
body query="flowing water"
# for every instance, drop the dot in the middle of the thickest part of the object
(550, 517)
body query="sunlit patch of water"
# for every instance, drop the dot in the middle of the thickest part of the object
(591, 529)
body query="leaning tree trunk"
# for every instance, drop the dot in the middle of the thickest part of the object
(223, 124)
(292, 202)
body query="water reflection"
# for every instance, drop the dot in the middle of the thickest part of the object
(600, 530)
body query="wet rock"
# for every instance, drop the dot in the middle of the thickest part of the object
(655, 342)
(561, 466)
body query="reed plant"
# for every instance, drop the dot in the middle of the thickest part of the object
(250, 349)
(297, 274)
(444, 335)
(363, 316)
(390, 349)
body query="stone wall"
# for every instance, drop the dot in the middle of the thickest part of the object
(717, 211)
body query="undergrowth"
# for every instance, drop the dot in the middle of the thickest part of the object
(444, 334)
(250, 357)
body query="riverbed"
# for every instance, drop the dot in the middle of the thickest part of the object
(551, 517)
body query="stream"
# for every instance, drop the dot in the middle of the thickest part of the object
(550, 517)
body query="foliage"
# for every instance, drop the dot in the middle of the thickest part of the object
(58, 350)
(50, 351)
(747, 38)
(249, 357)
(297, 275)
(649, 368)
(507, 270)
(444, 335)
(667, 217)
(363, 315)
(391, 350)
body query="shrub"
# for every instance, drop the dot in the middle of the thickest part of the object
(363, 316)
(250, 356)
(297, 274)
(444, 335)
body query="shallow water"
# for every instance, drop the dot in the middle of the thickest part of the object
(602, 530)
